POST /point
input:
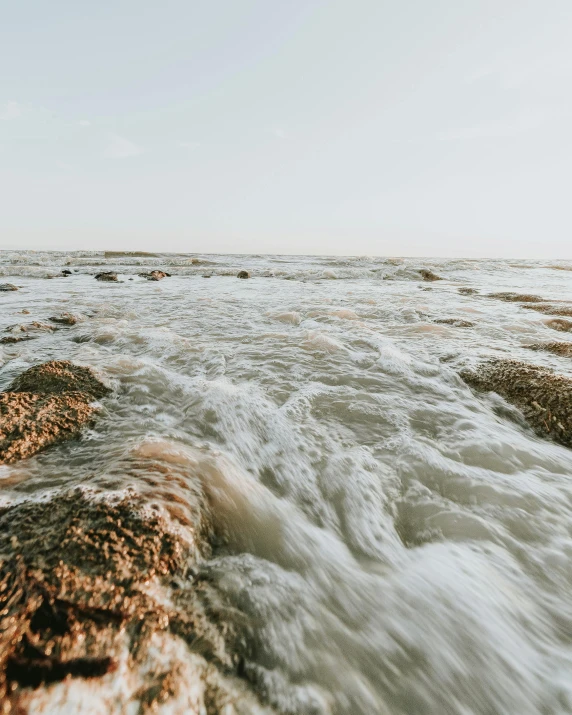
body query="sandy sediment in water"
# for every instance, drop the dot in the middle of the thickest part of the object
(101, 602)
(543, 396)
(46, 404)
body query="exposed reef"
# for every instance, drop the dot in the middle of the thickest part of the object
(543, 396)
(47, 404)
(106, 276)
(93, 589)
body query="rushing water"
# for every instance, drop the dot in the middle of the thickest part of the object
(399, 544)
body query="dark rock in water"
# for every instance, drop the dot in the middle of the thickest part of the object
(428, 275)
(550, 309)
(206, 275)
(564, 326)
(517, 297)
(65, 272)
(455, 322)
(64, 319)
(155, 275)
(106, 276)
(11, 339)
(243, 274)
(543, 396)
(129, 254)
(87, 583)
(5, 287)
(468, 291)
(47, 404)
(59, 377)
(563, 349)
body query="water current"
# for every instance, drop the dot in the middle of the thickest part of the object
(398, 543)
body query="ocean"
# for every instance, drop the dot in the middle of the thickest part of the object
(386, 539)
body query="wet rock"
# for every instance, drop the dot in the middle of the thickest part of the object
(564, 326)
(517, 297)
(550, 309)
(243, 274)
(11, 339)
(428, 275)
(60, 377)
(543, 396)
(155, 275)
(64, 319)
(563, 349)
(89, 586)
(45, 405)
(65, 272)
(455, 322)
(468, 291)
(34, 327)
(106, 276)
(5, 287)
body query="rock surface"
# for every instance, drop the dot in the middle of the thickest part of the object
(243, 274)
(64, 319)
(155, 275)
(517, 297)
(468, 291)
(428, 275)
(45, 405)
(106, 276)
(563, 349)
(564, 326)
(455, 322)
(7, 287)
(543, 396)
(91, 586)
(550, 309)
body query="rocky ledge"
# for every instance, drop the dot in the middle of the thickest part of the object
(45, 405)
(155, 275)
(428, 275)
(99, 592)
(543, 396)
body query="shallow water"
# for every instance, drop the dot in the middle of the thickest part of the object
(397, 543)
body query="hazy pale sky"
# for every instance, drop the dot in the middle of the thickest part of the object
(374, 127)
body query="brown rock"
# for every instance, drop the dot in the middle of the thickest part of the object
(550, 309)
(243, 274)
(58, 377)
(11, 339)
(517, 297)
(47, 404)
(155, 275)
(106, 276)
(543, 396)
(564, 326)
(468, 291)
(563, 349)
(64, 319)
(84, 580)
(4, 287)
(428, 275)
(455, 322)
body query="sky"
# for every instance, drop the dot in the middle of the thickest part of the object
(374, 127)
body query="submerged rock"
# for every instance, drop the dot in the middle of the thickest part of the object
(155, 275)
(34, 327)
(45, 405)
(517, 297)
(65, 272)
(64, 319)
(106, 276)
(563, 349)
(543, 396)
(550, 309)
(5, 287)
(89, 586)
(243, 274)
(428, 275)
(564, 326)
(455, 322)
(11, 339)
(468, 291)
